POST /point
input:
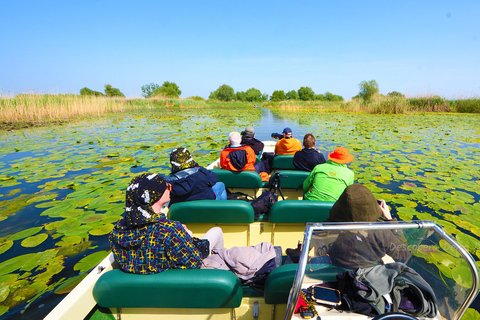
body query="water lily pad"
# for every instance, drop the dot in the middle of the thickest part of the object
(25, 233)
(70, 284)
(90, 261)
(105, 229)
(34, 240)
(5, 246)
(462, 276)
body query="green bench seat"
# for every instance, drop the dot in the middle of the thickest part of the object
(291, 179)
(240, 179)
(212, 211)
(299, 211)
(176, 288)
(283, 161)
(280, 280)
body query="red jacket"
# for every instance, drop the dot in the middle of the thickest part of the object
(238, 158)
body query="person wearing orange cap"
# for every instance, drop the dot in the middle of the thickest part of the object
(328, 180)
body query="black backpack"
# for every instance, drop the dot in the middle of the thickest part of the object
(263, 203)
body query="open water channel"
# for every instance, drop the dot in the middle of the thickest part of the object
(62, 188)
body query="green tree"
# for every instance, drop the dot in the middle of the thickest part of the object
(306, 93)
(87, 92)
(241, 96)
(254, 95)
(320, 97)
(278, 95)
(168, 89)
(148, 89)
(292, 95)
(368, 89)
(112, 92)
(223, 93)
(332, 97)
(395, 94)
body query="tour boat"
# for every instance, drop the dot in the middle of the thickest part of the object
(434, 255)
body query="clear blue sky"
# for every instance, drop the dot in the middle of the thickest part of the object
(415, 47)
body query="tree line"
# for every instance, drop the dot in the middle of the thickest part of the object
(368, 89)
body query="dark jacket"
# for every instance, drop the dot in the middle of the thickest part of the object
(307, 159)
(192, 184)
(255, 144)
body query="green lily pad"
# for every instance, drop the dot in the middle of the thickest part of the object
(34, 240)
(5, 246)
(25, 233)
(462, 276)
(90, 261)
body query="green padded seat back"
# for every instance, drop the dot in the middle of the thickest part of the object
(280, 280)
(176, 288)
(239, 179)
(283, 161)
(299, 211)
(291, 179)
(212, 211)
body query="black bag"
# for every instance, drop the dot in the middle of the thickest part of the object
(239, 196)
(203, 246)
(263, 203)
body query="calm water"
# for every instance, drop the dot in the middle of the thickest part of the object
(63, 187)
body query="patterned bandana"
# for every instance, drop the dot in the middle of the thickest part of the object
(142, 193)
(181, 159)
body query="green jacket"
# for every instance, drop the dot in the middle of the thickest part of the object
(327, 181)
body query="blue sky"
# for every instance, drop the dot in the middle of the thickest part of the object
(414, 47)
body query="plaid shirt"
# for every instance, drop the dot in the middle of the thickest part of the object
(154, 247)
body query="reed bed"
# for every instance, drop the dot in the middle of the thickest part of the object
(36, 108)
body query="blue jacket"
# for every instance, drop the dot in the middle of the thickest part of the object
(192, 184)
(307, 159)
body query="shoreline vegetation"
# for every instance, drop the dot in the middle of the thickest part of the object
(30, 110)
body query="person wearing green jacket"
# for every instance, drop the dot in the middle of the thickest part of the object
(328, 180)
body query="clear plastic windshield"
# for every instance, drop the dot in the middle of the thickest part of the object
(376, 268)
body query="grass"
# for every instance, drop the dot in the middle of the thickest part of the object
(26, 110)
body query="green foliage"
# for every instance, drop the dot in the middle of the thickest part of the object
(320, 97)
(241, 96)
(254, 95)
(196, 98)
(395, 94)
(332, 97)
(148, 89)
(112, 92)
(168, 89)
(292, 95)
(466, 105)
(435, 104)
(306, 93)
(368, 89)
(223, 93)
(278, 95)
(87, 92)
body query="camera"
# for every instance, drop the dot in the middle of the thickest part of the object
(277, 136)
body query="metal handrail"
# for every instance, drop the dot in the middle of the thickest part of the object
(388, 225)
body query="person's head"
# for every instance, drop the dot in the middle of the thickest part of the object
(234, 138)
(181, 159)
(287, 133)
(356, 204)
(144, 198)
(340, 155)
(248, 133)
(309, 141)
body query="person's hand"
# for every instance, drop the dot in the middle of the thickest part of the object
(188, 230)
(385, 210)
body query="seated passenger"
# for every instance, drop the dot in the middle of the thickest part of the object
(248, 138)
(236, 157)
(288, 144)
(191, 181)
(327, 181)
(364, 249)
(144, 241)
(309, 157)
